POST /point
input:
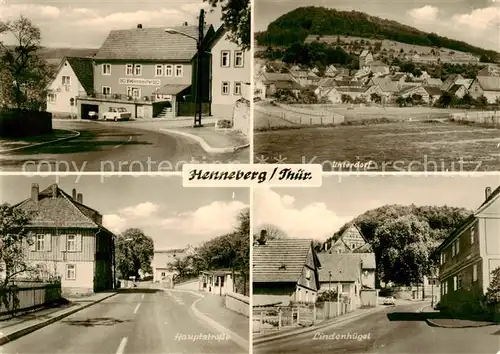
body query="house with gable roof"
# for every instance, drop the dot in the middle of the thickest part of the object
(74, 77)
(284, 271)
(148, 71)
(364, 58)
(350, 240)
(162, 261)
(468, 256)
(331, 71)
(487, 86)
(69, 239)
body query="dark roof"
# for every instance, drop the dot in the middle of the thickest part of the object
(150, 44)
(455, 88)
(172, 89)
(344, 267)
(84, 71)
(268, 77)
(61, 211)
(433, 90)
(489, 83)
(280, 260)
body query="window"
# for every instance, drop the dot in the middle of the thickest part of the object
(455, 283)
(71, 243)
(169, 70)
(40, 243)
(52, 97)
(179, 70)
(66, 80)
(133, 92)
(129, 71)
(459, 281)
(138, 70)
(457, 247)
(225, 88)
(474, 272)
(472, 235)
(70, 271)
(162, 274)
(106, 90)
(225, 59)
(237, 88)
(159, 70)
(238, 59)
(106, 69)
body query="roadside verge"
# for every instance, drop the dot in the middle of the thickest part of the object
(24, 328)
(74, 134)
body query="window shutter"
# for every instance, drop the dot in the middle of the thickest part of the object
(33, 245)
(78, 246)
(48, 242)
(64, 242)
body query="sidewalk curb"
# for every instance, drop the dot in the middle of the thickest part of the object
(257, 341)
(27, 330)
(432, 323)
(242, 342)
(76, 135)
(203, 143)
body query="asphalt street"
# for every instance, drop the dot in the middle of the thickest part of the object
(143, 322)
(396, 329)
(109, 147)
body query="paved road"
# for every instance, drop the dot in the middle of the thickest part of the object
(394, 330)
(129, 323)
(109, 147)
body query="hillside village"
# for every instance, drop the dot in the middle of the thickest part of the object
(376, 81)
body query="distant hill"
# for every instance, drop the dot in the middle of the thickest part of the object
(54, 55)
(302, 22)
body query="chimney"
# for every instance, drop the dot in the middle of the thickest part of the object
(54, 191)
(487, 192)
(74, 194)
(79, 198)
(34, 192)
(185, 24)
(139, 25)
(263, 237)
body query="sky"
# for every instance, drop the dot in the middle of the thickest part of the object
(172, 215)
(85, 24)
(474, 21)
(317, 213)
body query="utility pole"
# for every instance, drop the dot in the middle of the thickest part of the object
(199, 78)
(330, 285)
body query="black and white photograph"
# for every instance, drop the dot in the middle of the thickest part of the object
(378, 85)
(377, 264)
(123, 86)
(87, 268)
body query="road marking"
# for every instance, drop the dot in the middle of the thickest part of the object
(128, 141)
(142, 297)
(121, 348)
(137, 308)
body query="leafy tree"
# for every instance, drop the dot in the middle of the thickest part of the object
(329, 295)
(24, 76)
(307, 96)
(400, 101)
(375, 97)
(236, 16)
(482, 101)
(346, 98)
(134, 252)
(404, 246)
(445, 100)
(493, 292)
(14, 237)
(182, 267)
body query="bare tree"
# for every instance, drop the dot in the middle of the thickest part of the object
(273, 232)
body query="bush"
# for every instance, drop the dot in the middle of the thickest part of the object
(24, 123)
(223, 124)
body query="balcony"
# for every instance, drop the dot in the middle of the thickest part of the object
(122, 98)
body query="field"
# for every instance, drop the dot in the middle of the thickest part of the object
(402, 146)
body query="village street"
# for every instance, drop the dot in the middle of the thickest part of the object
(398, 329)
(142, 321)
(113, 147)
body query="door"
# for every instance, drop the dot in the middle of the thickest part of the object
(140, 111)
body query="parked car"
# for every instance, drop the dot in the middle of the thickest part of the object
(116, 114)
(389, 301)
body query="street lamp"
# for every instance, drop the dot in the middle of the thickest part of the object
(199, 53)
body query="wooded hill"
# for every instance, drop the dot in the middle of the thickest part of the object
(296, 25)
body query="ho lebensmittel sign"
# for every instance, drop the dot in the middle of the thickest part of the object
(140, 82)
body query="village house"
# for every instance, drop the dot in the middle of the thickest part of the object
(350, 240)
(164, 261)
(219, 282)
(284, 271)
(267, 84)
(456, 79)
(74, 77)
(347, 274)
(230, 74)
(301, 76)
(489, 70)
(69, 241)
(147, 71)
(433, 82)
(364, 58)
(468, 256)
(458, 90)
(331, 71)
(488, 86)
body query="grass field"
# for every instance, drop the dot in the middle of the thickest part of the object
(409, 146)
